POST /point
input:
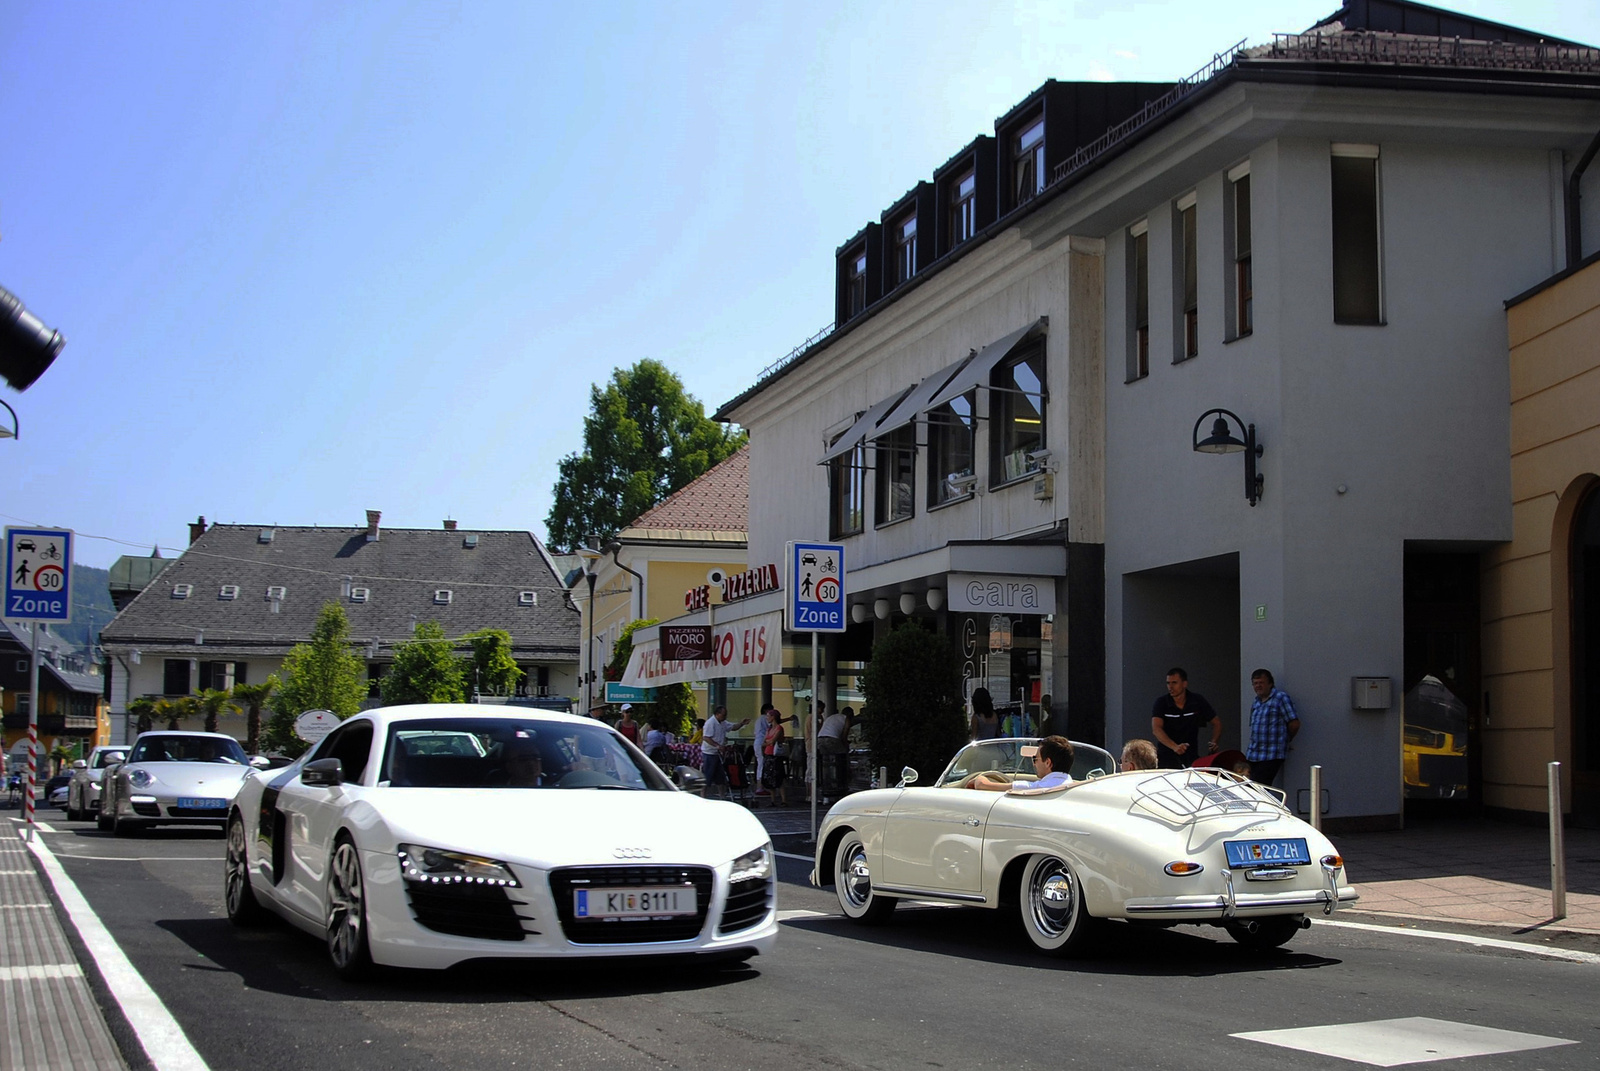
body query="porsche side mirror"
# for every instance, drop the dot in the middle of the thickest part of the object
(79, 764)
(908, 776)
(261, 762)
(326, 772)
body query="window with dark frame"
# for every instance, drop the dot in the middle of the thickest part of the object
(963, 208)
(858, 284)
(905, 238)
(1357, 279)
(846, 492)
(1016, 417)
(895, 499)
(175, 677)
(1243, 281)
(951, 440)
(1027, 163)
(1189, 289)
(1141, 303)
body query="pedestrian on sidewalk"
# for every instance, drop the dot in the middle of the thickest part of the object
(763, 726)
(713, 748)
(1176, 721)
(1273, 724)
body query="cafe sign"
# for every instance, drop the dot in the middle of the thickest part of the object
(984, 593)
(754, 581)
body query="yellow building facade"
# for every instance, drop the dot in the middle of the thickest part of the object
(1541, 592)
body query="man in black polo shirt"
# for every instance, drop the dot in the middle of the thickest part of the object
(1176, 720)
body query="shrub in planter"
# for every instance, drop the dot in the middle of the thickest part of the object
(914, 713)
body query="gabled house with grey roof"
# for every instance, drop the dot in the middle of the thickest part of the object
(241, 596)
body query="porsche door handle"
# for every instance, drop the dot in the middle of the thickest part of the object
(972, 821)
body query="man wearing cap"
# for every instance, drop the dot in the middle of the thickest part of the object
(627, 726)
(713, 741)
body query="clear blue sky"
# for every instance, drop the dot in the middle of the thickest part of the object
(314, 258)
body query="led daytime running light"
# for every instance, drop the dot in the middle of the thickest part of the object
(435, 866)
(756, 864)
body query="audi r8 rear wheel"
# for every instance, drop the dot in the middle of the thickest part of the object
(1262, 934)
(347, 912)
(243, 908)
(852, 882)
(1051, 903)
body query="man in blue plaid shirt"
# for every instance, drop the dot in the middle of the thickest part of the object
(1273, 723)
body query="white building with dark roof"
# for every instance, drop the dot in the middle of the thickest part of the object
(240, 597)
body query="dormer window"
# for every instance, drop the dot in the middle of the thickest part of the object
(182, 591)
(964, 208)
(527, 598)
(360, 594)
(443, 596)
(228, 591)
(905, 238)
(277, 591)
(470, 542)
(265, 535)
(1027, 163)
(857, 284)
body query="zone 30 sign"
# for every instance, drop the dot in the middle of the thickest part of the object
(815, 601)
(39, 574)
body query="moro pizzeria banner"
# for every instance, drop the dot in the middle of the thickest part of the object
(745, 648)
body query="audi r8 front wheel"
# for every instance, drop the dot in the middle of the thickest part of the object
(852, 882)
(347, 912)
(1051, 903)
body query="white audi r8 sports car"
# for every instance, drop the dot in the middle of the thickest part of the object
(1157, 846)
(83, 794)
(172, 778)
(424, 836)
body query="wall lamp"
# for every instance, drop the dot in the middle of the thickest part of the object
(1222, 441)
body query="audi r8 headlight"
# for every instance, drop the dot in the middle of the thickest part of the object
(436, 866)
(756, 864)
(140, 778)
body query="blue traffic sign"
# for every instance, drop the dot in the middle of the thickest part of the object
(815, 597)
(39, 574)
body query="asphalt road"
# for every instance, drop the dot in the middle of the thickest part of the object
(935, 988)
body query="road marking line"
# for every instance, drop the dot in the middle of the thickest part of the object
(1568, 954)
(143, 858)
(163, 1040)
(40, 971)
(791, 855)
(1392, 1042)
(800, 913)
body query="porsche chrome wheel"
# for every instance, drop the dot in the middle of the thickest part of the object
(852, 882)
(1051, 902)
(347, 912)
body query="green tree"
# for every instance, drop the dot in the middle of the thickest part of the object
(674, 703)
(491, 669)
(644, 438)
(213, 703)
(912, 714)
(323, 674)
(143, 709)
(255, 698)
(425, 669)
(60, 755)
(177, 710)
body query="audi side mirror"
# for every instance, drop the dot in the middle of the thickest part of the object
(325, 772)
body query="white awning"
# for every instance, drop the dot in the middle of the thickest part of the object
(977, 370)
(865, 426)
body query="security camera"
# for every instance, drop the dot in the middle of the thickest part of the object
(27, 346)
(715, 577)
(962, 482)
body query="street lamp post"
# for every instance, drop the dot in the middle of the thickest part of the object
(588, 676)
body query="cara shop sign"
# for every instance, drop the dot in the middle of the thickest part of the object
(742, 649)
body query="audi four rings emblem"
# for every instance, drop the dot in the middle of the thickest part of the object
(632, 853)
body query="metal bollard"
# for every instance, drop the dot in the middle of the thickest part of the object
(1558, 848)
(1316, 797)
(883, 777)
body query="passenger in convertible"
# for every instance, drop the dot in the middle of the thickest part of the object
(1052, 763)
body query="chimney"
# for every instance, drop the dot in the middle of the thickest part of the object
(197, 529)
(372, 525)
(449, 526)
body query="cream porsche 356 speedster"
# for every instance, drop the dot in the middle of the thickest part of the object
(1158, 846)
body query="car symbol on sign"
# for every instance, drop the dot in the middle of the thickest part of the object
(805, 559)
(25, 544)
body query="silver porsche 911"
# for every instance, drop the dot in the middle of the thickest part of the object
(173, 778)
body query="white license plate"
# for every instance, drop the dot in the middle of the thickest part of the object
(196, 803)
(649, 901)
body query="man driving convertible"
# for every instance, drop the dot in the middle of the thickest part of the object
(1052, 763)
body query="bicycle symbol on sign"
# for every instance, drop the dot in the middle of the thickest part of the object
(51, 553)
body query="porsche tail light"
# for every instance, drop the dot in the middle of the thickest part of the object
(1332, 862)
